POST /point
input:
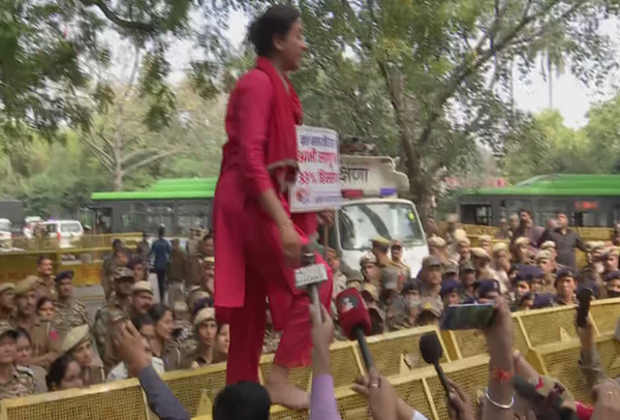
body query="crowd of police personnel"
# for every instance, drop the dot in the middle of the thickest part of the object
(46, 334)
(47, 339)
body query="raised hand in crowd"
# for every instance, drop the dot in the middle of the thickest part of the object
(460, 402)
(383, 401)
(323, 404)
(500, 339)
(130, 347)
(133, 351)
(607, 397)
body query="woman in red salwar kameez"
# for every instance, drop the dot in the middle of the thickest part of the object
(257, 240)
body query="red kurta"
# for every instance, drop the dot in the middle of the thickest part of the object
(249, 261)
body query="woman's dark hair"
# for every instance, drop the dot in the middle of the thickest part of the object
(134, 261)
(219, 328)
(42, 301)
(57, 371)
(157, 312)
(141, 320)
(20, 332)
(242, 401)
(277, 20)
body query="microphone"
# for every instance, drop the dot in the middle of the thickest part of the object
(355, 320)
(431, 350)
(309, 276)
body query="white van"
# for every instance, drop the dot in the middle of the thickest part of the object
(371, 208)
(66, 231)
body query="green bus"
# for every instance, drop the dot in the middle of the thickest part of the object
(179, 204)
(588, 200)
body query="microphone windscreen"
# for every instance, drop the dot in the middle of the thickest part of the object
(430, 347)
(352, 313)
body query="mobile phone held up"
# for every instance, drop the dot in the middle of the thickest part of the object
(468, 317)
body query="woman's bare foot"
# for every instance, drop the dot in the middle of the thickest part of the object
(284, 393)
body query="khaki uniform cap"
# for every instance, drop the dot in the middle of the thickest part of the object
(5, 328)
(75, 337)
(368, 258)
(437, 241)
(522, 241)
(543, 255)
(142, 286)
(26, 285)
(500, 247)
(205, 314)
(381, 240)
(6, 286)
(480, 253)
(371, 289)
(547, 245)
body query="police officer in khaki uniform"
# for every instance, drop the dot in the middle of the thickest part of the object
(70, 312)
(77, 343)
(7, 302)
(45, 275)
(380, 247)
(430, 311)
(44, 336)
(178, 273)
(117, 309)
(15, 381)
(404, 270)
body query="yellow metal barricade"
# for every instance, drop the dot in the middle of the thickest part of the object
(605, 315)
(84, 257)
(560, 361)
(399, 351)
(121, 400)
(547, 326)
(188, 385)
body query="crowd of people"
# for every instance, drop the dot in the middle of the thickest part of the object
(531, 268)
(49, 342)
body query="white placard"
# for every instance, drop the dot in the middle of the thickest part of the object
(318, 182)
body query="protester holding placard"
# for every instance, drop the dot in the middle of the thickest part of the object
(257, 240)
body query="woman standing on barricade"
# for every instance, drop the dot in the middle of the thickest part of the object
(257, 240)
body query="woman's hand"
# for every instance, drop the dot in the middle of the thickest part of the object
(291, 244)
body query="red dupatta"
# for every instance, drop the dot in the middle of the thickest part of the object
(281, 150)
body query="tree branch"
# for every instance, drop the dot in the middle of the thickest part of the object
(153, 158)
(145, 27)
(464, 70)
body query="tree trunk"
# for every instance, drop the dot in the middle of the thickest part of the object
(118, 179)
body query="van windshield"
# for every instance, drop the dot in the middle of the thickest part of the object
(360, 223)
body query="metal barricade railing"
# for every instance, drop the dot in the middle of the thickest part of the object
(547, 337)
(121, 400)
(560, 360)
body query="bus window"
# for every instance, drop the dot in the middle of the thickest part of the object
(547, 209)
(133, 219)
(513, 206)
(590, 219)
(159, 214)
(477, 214)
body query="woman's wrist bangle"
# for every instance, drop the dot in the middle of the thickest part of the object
(498, 405)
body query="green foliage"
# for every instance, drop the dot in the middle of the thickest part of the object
(47, 45)
(432, 81)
